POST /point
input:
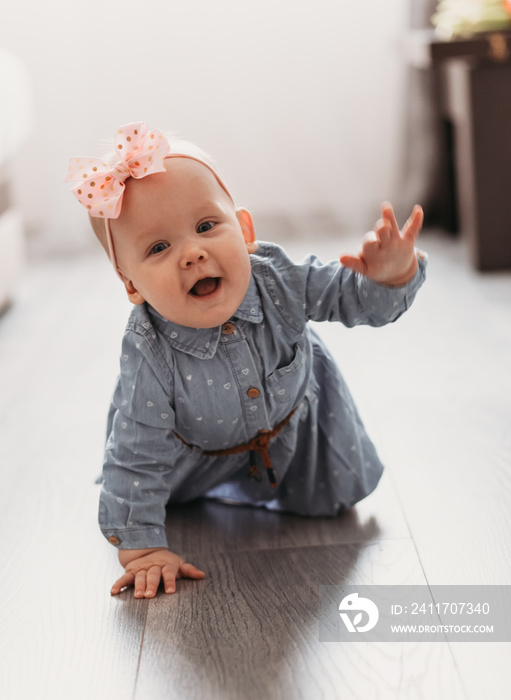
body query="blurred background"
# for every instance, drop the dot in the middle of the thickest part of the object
(301, 104)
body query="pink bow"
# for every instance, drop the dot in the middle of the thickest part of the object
(100, 186)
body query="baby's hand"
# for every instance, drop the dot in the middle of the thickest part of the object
(388, 256)
(145, 568)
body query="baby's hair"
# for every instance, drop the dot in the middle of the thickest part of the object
(177, 145)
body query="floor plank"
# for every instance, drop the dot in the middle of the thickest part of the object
(61, 635)
(251, 630)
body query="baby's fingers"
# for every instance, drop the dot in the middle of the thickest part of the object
(383, 233)
(169, 578)
(152, 581)
(140, 581)
(389, 218)
(414, 224)
(190, 571)
(354, 263)
(125, 580)
(185, 571)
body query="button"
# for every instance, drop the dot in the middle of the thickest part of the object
(114, 540)
(228, 328)
(253, 392)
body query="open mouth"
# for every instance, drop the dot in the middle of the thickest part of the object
(205, 286)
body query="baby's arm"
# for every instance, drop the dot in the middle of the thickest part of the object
(388, 256)
(145, 568)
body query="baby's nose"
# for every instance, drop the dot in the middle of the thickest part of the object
(193, 255)
(198, 258)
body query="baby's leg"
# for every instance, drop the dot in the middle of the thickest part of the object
(331, 462)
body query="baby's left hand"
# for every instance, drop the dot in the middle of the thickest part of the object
(388, 256)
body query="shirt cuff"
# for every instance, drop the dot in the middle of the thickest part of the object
(136, 538)
(412, 284)
(388, 303)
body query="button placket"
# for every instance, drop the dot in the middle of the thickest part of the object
(245, 369)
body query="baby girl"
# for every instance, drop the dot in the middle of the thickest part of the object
(225, 391)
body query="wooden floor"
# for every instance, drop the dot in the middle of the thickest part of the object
(435, 392)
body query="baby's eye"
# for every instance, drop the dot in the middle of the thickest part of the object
(158, 248)
(205, 227)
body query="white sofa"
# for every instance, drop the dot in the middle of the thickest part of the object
(16, 114)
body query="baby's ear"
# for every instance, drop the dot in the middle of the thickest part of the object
(134, 296)
(247, 227)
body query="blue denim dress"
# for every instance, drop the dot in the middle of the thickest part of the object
(183, 392)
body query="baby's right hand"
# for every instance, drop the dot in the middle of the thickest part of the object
(145, 568)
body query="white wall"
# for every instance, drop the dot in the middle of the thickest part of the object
(298, 100)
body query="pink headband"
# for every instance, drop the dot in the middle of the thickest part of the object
(101, 187)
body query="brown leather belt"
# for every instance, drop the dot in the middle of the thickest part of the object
(258, 444)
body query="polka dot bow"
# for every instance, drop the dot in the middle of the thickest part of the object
(101, 186)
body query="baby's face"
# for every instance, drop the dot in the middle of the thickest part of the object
(180, 245)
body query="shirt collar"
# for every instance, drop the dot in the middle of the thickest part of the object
(250, 308)
(203, 342)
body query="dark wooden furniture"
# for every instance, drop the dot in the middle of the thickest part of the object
(473, 85)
